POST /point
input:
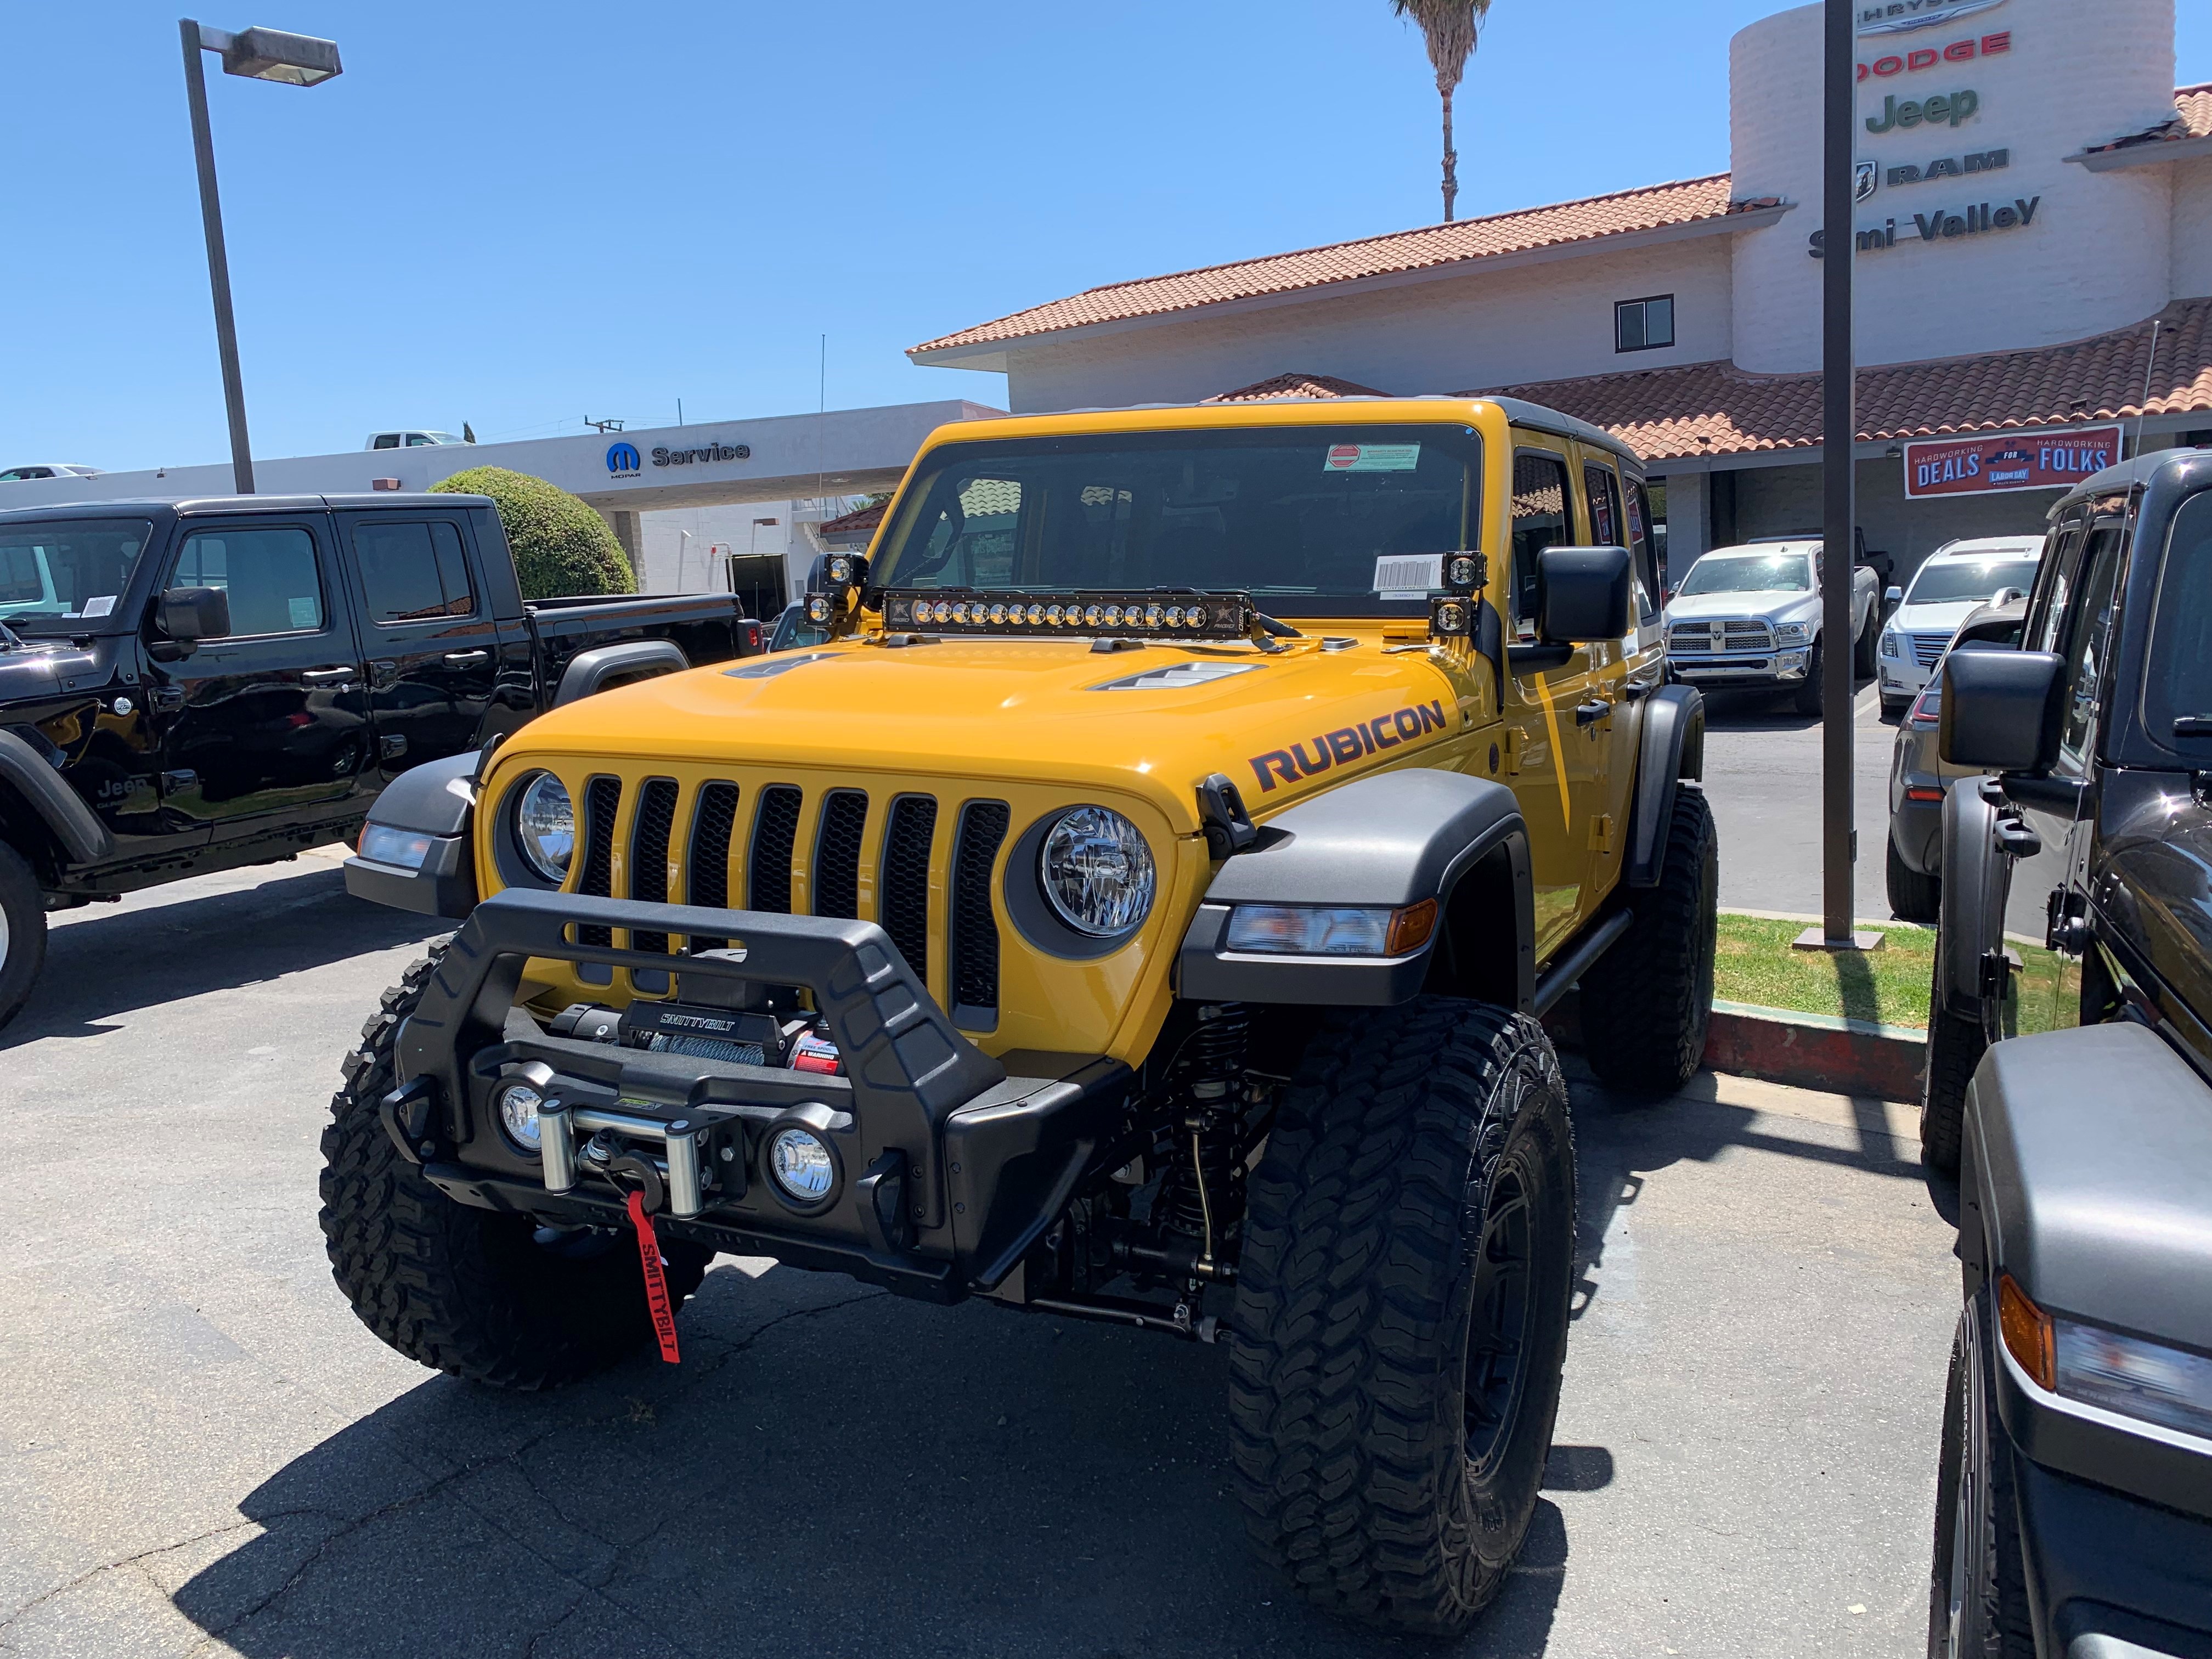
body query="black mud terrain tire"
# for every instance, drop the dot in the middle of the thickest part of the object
(1914, 895)
(1977, 1605)
(1955, 1046)
(22, 932)
(1806, 699)
(459, 1288)
(1646, 1003)
(1865, 664)
(1402, 1310)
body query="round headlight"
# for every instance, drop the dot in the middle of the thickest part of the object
(518, 1112)
(545, 826)
(1098, 872)
(801, 1165)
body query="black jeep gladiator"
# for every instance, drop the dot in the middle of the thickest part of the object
(189, 686)
(2070, 1088)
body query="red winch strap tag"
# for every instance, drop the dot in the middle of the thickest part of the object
(656, 1282)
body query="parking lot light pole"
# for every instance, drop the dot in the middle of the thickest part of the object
(1838, 517)
(298, 60)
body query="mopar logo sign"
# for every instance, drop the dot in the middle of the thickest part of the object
(622, 457)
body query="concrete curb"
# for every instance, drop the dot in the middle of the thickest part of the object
(1807, 1051)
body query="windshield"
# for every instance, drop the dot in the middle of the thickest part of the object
(1750, 573)
(57, 576)
(1312, 521)
(1969, 579)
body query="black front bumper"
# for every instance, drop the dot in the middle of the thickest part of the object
(948, 1168)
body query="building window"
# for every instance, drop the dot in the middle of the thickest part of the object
(1643, 325)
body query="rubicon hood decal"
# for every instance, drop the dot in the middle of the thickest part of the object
(1177, 676)
(1347, 743)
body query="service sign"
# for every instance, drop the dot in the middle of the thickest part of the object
(2007, 460)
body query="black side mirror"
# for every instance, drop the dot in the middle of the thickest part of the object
(1586, 593)
(190, 614)
(2002, 709)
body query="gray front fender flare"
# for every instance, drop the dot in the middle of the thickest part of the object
(437, 799)
(1971, 906)
(1391, 839)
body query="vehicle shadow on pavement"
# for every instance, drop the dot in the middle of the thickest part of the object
(102, 964)
(1622, 1140)
(1747, 709)
(830, 1470)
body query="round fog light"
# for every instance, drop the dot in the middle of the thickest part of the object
(518, 1110)
(801, 1164)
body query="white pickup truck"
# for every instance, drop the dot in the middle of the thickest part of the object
(1750, 615)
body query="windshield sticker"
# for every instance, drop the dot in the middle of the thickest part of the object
(1346, 744)
(1372, 457)
(1398, 577)
(1178, 676)
(768, 668)
(99, 607)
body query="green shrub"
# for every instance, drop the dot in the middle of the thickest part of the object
(561, 546)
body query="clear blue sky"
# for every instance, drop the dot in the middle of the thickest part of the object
(519, 215)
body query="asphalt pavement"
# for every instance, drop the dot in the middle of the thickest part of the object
(202, 1452)
(1763, 776)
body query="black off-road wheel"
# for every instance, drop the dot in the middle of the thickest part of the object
(1402, 1310)
(1914, 895)
(1955, 1046)
(1977, 1605)
(1647, 1002)
(1806, 699)
(491, 1298)
(22, 932)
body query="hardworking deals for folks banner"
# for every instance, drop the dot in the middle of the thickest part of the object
(2007, 460)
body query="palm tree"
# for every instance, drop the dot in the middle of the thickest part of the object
(1449, 26)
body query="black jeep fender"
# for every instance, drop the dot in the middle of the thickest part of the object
(1673, 747)
(1389, 840)
(437, 799)
(2102, 1216)
(1970, 914)
(605, 667)
(81, 837)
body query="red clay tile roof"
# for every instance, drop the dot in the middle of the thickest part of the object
(2196, 106)
(1716, 409)
(863, 518)
(1650, 208)
(1295, 385)
(1594, 217)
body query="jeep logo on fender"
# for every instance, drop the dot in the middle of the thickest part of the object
(1347, 743)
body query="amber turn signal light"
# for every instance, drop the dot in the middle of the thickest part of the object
(1410, 928)
(2027, 1334)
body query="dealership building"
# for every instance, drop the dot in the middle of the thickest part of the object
(2032, 268)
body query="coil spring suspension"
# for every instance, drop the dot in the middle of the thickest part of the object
(1205, 1198)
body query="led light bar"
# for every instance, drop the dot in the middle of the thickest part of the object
(1084, 614)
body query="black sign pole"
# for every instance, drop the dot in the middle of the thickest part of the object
(1839, 431)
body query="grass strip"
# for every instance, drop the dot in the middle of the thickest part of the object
(1752, 962)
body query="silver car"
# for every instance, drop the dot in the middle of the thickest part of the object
(1956, 578)
(1919, 776)
(1750, 615)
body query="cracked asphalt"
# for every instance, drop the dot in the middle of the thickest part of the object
(202, 1452)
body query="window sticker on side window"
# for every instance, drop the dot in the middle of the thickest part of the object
(306, 613)
(1408, 576)
(1372, 458)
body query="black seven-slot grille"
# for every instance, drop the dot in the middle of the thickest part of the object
(764, 849)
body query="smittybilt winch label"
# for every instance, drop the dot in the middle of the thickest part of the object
(1347, 743)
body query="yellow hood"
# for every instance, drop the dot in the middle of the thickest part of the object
(1033, 711)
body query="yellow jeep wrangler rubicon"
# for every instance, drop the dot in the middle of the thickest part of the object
(1140, 907)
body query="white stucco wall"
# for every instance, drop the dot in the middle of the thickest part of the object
(1538, 321)
(2192, 229)
(2098, 254)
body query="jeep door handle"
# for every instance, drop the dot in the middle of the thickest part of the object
(327, 676)
(1590, 713)
(467, 659)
